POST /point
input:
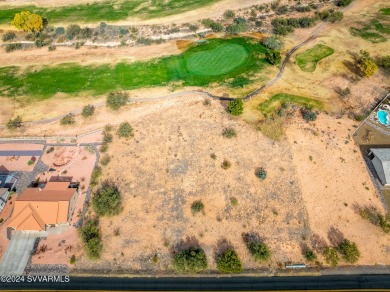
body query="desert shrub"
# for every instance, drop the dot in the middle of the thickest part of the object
(72, 260)
(330, 15)
(308, 115)
(1, 220)
(215, 26)
(349, 251)
(51, 48)
(90, 235)
(115, 100)
(384, 222)
(229, 262)
(60, 30)
(88, 110)
(27, 21)
(229, 133)
(197, 206)
(384, 62)
(123, 31)
(67, 120)
(191, 260)
(193, 27)
(229, 14)
(273, 43)
(206, 102)
(73, 30)
(273, 57)
(107, 201)
(105, 160)
(331, 256)
(310, 255)
(85, 33)
(236, 107)
(9, 36)
(103, 148)
(346, 91)
(144, 41)
(30, 162)
(343, 3)
(226, 164)
(12, 47)
(39, 43)
(125, 130)
(213, 156)
(51, 149)
(259, 250)
(261, 173)
(233, 201)
(366, 64)
(15, 123)
(107, 137)
(96, 174)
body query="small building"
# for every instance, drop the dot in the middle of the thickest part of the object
(381, 162)
(36, 208)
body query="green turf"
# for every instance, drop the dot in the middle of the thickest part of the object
(271, 105)
(370, 36)
(213, 61)
(113, 10)
(385, 11)
(308, 60)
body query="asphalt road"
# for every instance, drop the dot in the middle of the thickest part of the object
(20, 153)
(336, 282)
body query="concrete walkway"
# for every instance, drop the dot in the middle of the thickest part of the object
(18, 253)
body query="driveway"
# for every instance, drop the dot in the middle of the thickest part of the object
(18, 253)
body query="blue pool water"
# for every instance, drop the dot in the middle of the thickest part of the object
(382, 116)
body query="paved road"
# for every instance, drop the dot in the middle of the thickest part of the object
(353, 282)
(21, 153)
(18, 253)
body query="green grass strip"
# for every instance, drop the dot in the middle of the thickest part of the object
(107, 11)
(308, 60)
(275, 102)
(370, 36)
(381, 27)
(211, 61)
(385, 11)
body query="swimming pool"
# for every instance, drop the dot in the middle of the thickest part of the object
(383, 117)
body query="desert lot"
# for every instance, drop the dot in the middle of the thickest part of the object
(167, 166)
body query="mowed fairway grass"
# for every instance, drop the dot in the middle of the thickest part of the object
(107, 11)
(308, 60)
(211, 61)
(274, 103)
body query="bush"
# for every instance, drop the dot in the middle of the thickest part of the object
(73, 30)
(310, 256)
(384, 62)
(349, 251)
(30, 162)
(229, 14)
(345, 91)
(330, 15)
(103, 148)
(125, 130)
(236, 107)
(273, 57)
(88, 110)
(72, 259)
(197, 207)
(107, 201)
(191, 260)
(28, 21)
(51, 149)
(15, 123)
(9, 36)
(384, 222)
(259, 250)
(85, 33)
(272, 43)
(308, 115)
(105, 160)
(229, 262)
(229, 133)
(12, 47)
(331, 256)
(233, 201)
(367, 64)
(96, 174)
(261, 173)
(68, 120)
(51, 48)
(107, 137)
(226, 164)
(90, 234)
(343, 3)
(60, 30)
(115, 100)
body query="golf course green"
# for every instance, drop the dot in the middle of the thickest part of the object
(308, 60)
(213, 60)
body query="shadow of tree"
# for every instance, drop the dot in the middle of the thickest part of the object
(221, 246)
(318, 243)
(335, 236)
(368, 212)
(189, 241)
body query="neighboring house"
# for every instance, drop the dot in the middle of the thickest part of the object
(36, 208)
(4, 193)
(381, 162)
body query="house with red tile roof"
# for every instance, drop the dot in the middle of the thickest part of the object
(36, 208)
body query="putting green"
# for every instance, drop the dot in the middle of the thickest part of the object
(218, 61)
(308, 60)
